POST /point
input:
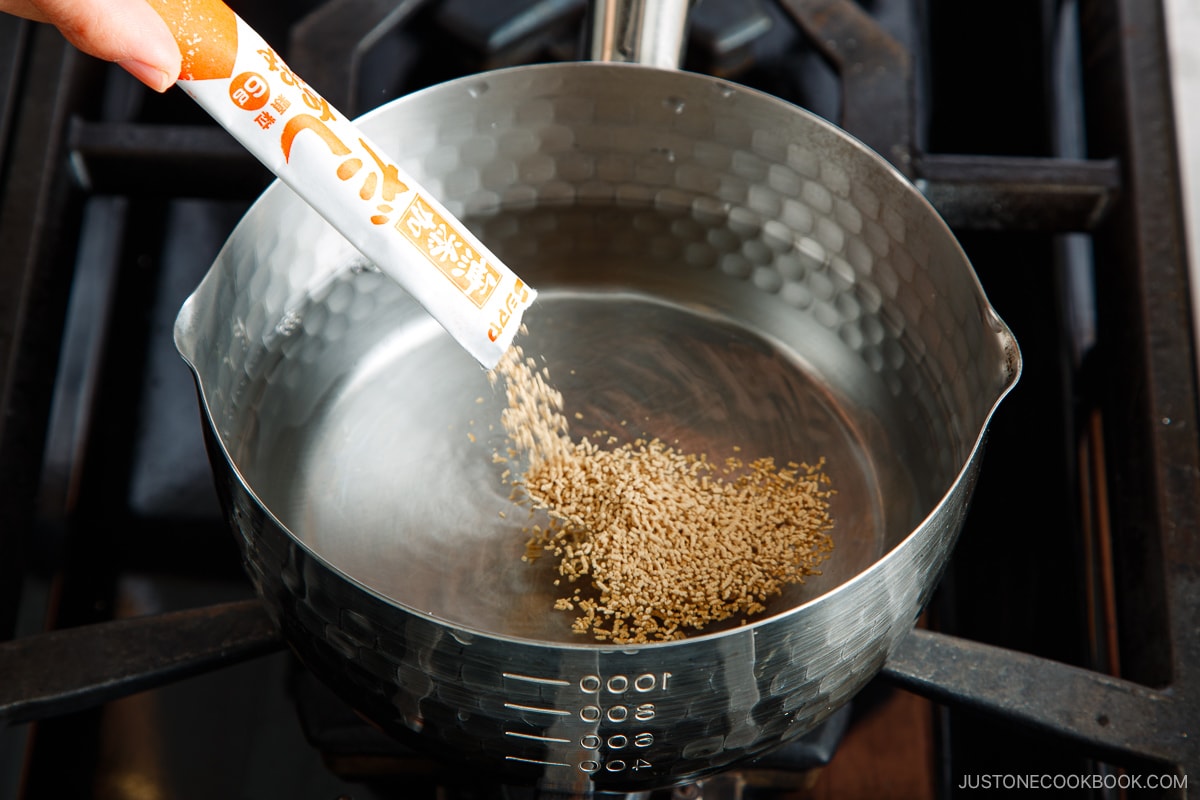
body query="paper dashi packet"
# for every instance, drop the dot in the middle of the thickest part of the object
(243, 83)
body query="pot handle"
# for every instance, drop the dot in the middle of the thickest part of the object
(648, 32)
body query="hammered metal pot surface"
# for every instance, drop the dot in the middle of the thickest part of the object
(714, 266)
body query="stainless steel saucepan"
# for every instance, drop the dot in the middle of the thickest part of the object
(714, 266)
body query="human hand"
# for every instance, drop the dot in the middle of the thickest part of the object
(128, 32)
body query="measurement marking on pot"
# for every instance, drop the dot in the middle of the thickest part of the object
(537, 738)
(619, 684)
(533, 679)
(536, 761)
(537, 709)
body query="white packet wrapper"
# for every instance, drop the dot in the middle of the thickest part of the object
(243, 83)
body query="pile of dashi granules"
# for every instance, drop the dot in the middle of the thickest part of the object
(670, 541)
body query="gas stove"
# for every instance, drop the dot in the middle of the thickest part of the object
(1060, 649)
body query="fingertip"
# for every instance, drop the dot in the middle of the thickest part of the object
(130, 33)
(167, 59)
(154, 77)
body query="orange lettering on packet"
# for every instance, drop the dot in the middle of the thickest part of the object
(249, 91)
(516, 299)
(448, 250)
(307, 122)
(206, 32)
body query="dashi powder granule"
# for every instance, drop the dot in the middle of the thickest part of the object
(653, 542)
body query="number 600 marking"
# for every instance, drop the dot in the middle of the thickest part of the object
(616, 741)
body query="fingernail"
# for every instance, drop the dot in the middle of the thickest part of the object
(155, 78)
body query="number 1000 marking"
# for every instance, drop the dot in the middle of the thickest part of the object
(619, 684)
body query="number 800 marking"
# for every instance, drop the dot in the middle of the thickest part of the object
(643, 713)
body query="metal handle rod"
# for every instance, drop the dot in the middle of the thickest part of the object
(649, 32)
(60, 672)
(1107, 716)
